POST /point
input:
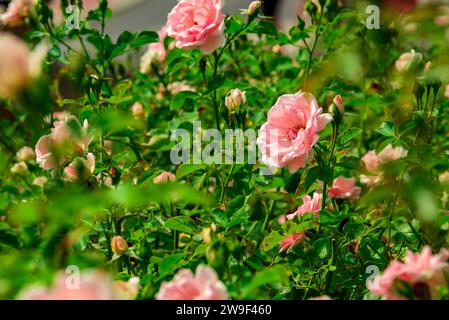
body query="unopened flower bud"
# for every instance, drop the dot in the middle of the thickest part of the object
(254, 6)
(408, 61)
(40, 181)
(119, 245)
(235, 99)
(20, 168)
(26, 154)
(137, 110)
(338, 101)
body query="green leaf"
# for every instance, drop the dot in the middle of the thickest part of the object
(271, 241)
(181, 98)
(386, 129)
(322, 248)
(350, 134)
(186, 169)
(181, 223)
(144, 38)
(171, 263)
(275, 276)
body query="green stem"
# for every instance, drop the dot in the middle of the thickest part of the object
(225, 187)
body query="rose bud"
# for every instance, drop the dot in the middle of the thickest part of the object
(26, 154)
(119, 245)
(40, 181)
(235, 99)
(337, 108)
(254, 7)
(164, 177)
(408, 61)
(137, 110)
(20, 168)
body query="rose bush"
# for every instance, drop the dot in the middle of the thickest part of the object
(222, 157)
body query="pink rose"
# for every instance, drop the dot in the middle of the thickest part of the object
(372, 161)
(344, 188)
(40, 181)
(446, 91)
(16, 12)
(291, 241)
(67, 137)
(203, 285)
(80, 169)
(126, 290)
(408, 61)
(92, 285)
(292, 128)
(179, 86)
(137, 110)
(197, 23)
(14, 68)
(419, 271)
(310, 205)
(26, 154)
(164, 177)
(370, 180)
(390, 153)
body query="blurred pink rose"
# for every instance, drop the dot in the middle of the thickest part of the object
(67, 137)
(126, 290)
(16, 12)
(423, 272)
(40, 181)
(203, 285)
(408, 61)
(14, 68)
(25, 154)
(137, 110)
(344, 188)
(179, 86)
(155, 53)
(370, 180)
(390, 153)
(291, 241)
(80, 169)
(372, 161)
(164, 177)
(197, 23)
(91, 285)
(292, 128)
(310, 204)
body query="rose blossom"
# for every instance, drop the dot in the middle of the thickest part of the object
(344, 188)
(25, 154)
(20, 168)
(62, 138)
(444, 177)
(197, 23)
(292, 128)
(14, 57)
(291, 241)
(164, 177)
(409, 60)
(93, 285)
(16, 12)
(126, 290)
(203, 285)
(40, 181)
(390, 153)
(371, 160)
(119, 245)
(420, 270)
(137, 110)
(370, 180)
(155, 53)
(310, 204)
(80, 169)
